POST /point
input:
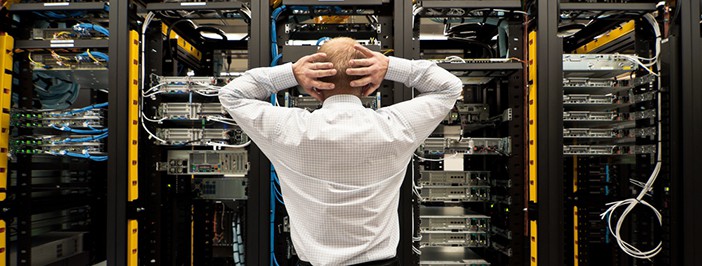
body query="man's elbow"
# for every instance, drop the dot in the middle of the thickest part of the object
(456, 87)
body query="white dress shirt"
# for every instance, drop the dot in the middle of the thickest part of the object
(341, 167)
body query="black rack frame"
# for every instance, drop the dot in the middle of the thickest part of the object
(686, 126)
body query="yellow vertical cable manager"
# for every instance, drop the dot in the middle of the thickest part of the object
(132, 242)
(133, 186)
(532, 142)
(6, 46)
(576, 233)
(133, 131)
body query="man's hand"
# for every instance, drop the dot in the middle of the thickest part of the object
(373, 69)
(309, 69)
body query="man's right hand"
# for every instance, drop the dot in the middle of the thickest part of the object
(372, 69)
(309, 69)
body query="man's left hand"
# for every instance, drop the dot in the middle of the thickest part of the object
(309, 69)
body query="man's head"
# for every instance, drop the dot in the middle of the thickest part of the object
(340, 52)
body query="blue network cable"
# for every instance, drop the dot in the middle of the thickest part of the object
(84, 29)
(87, 108)
(80, 131)
(97, 158)
(274, 191)
(84, 139)
(85, 56)
(323, 39)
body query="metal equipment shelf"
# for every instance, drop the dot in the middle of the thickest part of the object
(629, 7)
(500, 4)
(484, 69)
(335, 2)
(51, 44)
(194, 6)
(59, 6)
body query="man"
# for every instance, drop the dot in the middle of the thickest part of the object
(341, 166)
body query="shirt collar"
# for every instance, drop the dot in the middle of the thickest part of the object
(342, 100)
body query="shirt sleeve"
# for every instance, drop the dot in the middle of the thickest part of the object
(438, 90)
(245, 100)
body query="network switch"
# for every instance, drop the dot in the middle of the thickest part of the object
(310, 104)
(589, 99)
(447, 178)
(609, 132)
(452, 219)
(206, 86)
(604, 85)
(45, 119)
(450, 256)
(455, 239)
(598, 62)
(207, 136)
(483, 146)
(206, 162)
(455, 193)
(608, 149)
(221, 188)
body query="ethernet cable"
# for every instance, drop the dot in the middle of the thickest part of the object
(97, 158)
(630, 203)
(66, 128)
(276, 57)
(83, 29)
(84, 139)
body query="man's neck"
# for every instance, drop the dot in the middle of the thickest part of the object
(330, 93)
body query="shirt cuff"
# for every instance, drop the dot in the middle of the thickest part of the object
(282, 77)
(399, 69)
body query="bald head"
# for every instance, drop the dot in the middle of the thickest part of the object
(339, 52)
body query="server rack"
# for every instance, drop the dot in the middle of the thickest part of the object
(495, 81)
(55, 131)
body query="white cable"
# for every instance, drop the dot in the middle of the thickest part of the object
(149, 132)
(151, 119)
(220, 121)
(205, 94)
(221, 145)
(632, 202)
(435, 160)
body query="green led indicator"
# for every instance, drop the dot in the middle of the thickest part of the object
(667, 189)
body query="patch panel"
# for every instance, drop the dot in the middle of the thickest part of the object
(189, 111)
(455, 239)
(185, 136)
(69, 61)
(608, 149)
(455, 193)
(447, 178)
(452, 219)
(234, 163)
